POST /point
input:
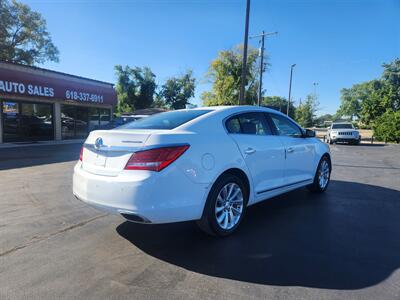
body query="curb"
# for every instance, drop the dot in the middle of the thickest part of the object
(38, 144)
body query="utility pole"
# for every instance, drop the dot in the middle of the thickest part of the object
(262, 35)
(315, 89)
(290, 88)
(244, 62)
(261, 68)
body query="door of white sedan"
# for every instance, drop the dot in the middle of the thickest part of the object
(300, 151)
(263, 152)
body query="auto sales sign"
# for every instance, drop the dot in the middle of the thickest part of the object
(72, 89)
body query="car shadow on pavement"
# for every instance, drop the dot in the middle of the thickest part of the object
(347, 238)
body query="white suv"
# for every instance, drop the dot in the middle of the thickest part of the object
(343, 133)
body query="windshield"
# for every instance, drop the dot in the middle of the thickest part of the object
(342, 126)
(166, 120)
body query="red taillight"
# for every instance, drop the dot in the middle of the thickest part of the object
(155, 159)
(81, 154)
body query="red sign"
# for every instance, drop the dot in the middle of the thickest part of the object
(26, 84)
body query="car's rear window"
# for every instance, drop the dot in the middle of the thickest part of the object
(166, 120)
(342, 126)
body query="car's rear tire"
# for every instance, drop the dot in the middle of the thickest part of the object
(322, 176)
(225, 206)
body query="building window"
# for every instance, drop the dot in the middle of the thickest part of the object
(78, 121)
(99, 118)
(24, 122)
(74, 122)
(105, 116)
(94, 118)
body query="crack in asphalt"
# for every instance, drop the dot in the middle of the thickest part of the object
(35, 240)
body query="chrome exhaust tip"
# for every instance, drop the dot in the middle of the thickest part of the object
(135, 218)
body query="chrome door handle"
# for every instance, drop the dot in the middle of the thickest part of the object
(290, 150)
(249, 151)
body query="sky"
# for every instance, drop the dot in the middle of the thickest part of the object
(335, 43)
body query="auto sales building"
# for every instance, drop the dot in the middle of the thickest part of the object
(38, 104)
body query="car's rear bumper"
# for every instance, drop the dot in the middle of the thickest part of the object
(346, 140)
(153, 198)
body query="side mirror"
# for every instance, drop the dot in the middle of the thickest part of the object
(309, 133)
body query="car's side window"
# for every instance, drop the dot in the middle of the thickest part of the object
(248, 123)
(233, 125)
(285, 127)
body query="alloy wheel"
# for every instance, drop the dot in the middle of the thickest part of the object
(323, 174)
(229, 206)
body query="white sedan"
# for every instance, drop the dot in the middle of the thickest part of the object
(205, 164)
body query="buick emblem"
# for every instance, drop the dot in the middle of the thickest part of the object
(98, 143)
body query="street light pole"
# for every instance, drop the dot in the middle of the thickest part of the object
(244, 62)
(262, 35)
(290, 88)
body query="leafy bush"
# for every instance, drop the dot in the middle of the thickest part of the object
(387, 126)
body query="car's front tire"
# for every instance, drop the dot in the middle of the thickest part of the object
(322, 176)
(225, 206)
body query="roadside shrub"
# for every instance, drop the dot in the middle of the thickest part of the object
(387, 127)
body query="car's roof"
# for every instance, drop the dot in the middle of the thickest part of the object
(221, 112)
(236, 108)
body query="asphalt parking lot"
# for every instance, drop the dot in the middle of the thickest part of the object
(344, 244)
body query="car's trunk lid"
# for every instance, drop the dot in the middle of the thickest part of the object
(106, 152)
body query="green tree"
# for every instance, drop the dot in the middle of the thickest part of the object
(366, 101)
(369, 100)
(23, 35)
(319, 121)
(373, 102)
(135, 88)
(177, 91)
(350, 103)
(305, 113)
(391, 72)
(280, 104)
(387, 126)
(391, 77)
(225, 75)
(159, 102)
